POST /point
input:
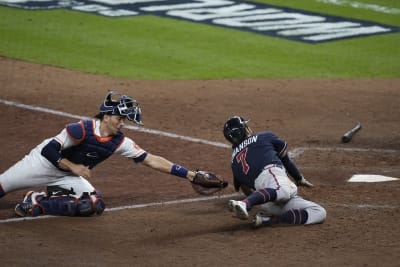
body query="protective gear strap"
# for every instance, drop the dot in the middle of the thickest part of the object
(55, 190)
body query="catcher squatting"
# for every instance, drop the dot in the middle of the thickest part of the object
(63, 163)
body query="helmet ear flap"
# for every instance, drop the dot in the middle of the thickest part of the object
(109, 104)
(107, 99)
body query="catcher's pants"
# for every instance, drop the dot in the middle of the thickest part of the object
(274, 176)
(34, 170)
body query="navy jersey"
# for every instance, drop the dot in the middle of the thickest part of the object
(253, 154)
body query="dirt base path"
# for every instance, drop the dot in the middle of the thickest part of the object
(363, 218)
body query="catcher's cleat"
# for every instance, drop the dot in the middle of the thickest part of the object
(239, 207)
(261, 220)
(29, 206)
(25, 207)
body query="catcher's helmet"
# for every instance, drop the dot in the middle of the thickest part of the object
(116, 104)
(235, 130)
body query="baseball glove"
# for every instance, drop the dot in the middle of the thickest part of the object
(207, 183)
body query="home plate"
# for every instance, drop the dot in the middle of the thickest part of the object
(370, 178)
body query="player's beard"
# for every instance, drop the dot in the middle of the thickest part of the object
(114, 128)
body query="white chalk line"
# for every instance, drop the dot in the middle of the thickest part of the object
(300, 150)
(189, 200)
(359, 5)
(294, 153)
(362, 206)
(131, 127)
(177, 201)
(136, 206)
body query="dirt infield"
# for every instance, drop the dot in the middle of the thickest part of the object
(363, 218)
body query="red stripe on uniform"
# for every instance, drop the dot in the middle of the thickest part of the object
(276, 180)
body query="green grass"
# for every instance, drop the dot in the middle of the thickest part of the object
(150, 47)
(345, 10)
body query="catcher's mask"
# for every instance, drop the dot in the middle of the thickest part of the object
(122, 105)
(235, 130)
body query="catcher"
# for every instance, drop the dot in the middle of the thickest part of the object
(64, 163)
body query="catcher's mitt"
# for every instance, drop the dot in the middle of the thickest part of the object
(207, 183)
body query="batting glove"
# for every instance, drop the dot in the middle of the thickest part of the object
(304, 182)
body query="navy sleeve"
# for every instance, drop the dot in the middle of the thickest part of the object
(280, 146)
(52, 152)
(236, 184)
(291, 168)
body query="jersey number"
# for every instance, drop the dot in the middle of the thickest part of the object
(241, 158)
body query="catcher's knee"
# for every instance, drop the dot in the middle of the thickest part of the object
(90, 204)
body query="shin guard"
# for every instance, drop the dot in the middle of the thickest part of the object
(71, 205)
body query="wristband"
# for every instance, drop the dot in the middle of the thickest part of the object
(179, 171)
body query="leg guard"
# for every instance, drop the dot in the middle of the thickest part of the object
(64, 205)
(71, 205)
(90, 204)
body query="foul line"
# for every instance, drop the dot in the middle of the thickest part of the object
(360, 5)
(131, 127)
(189, 200)
(362, 206)
(178, 201)
(293, 153)
(300, 150)
(137, 206)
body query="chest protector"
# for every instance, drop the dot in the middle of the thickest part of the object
(90, 151)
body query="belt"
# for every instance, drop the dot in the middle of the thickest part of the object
(273, 165)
